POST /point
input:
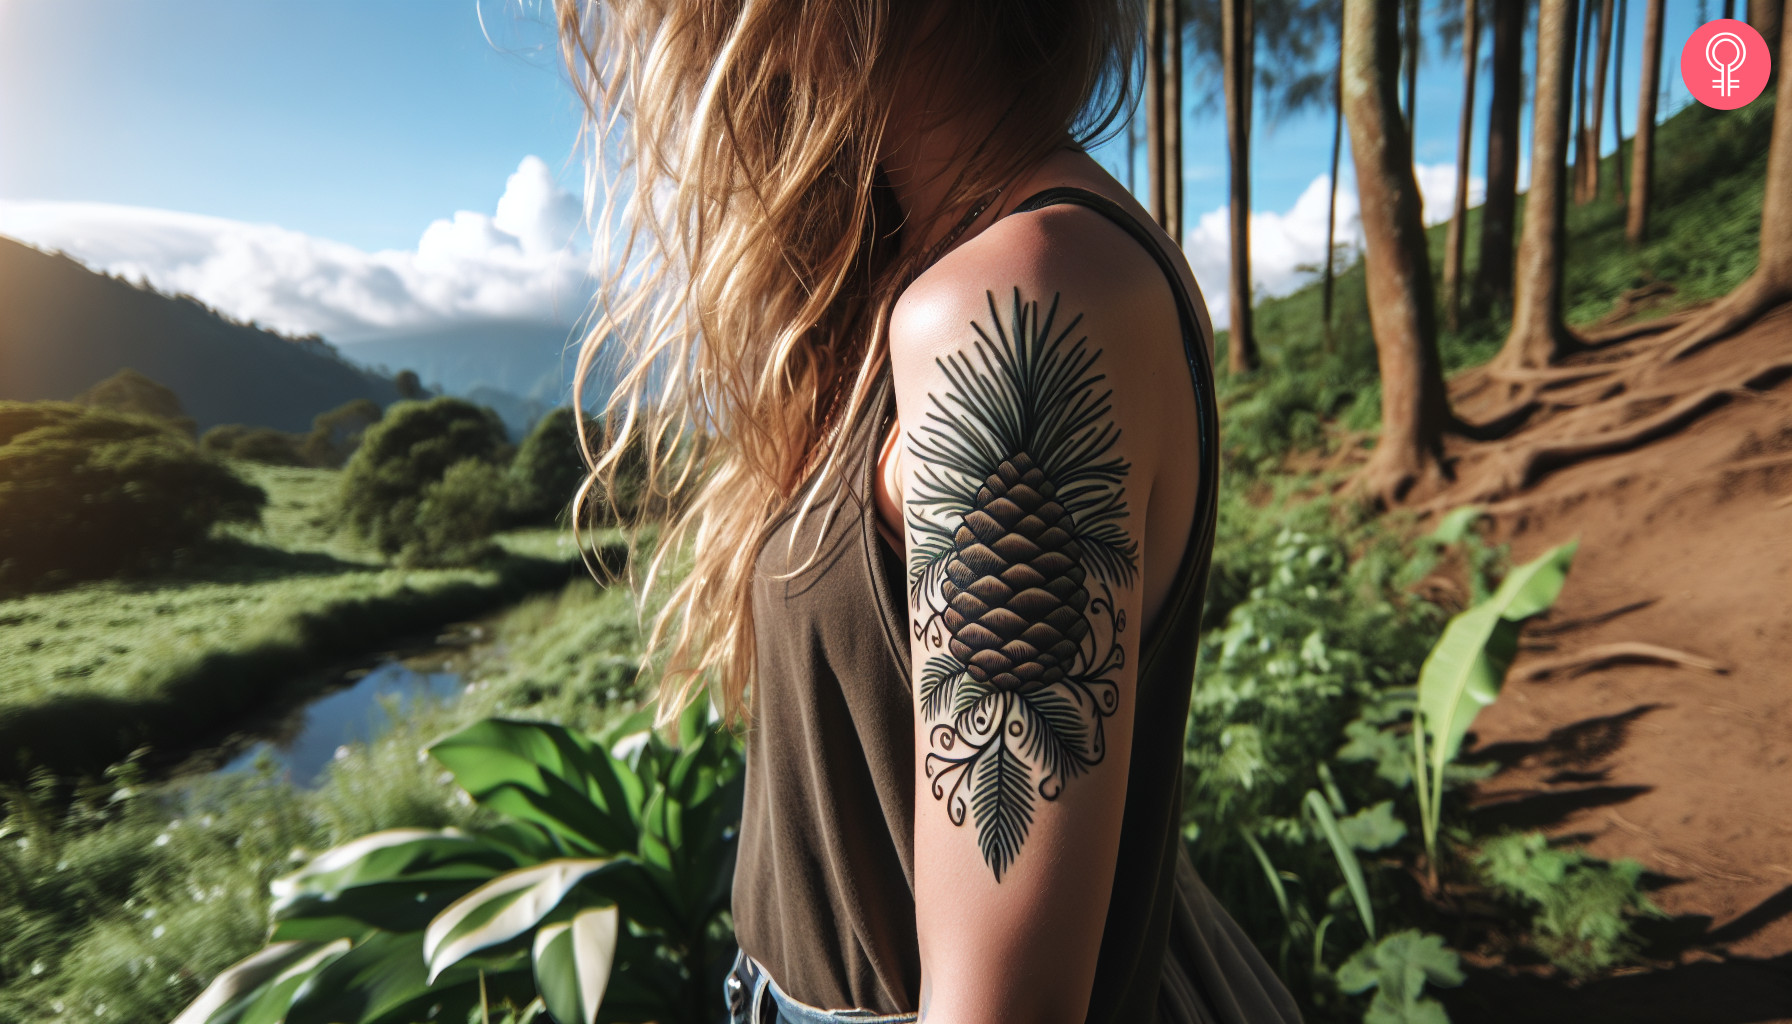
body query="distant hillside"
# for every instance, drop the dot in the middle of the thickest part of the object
(64, 328)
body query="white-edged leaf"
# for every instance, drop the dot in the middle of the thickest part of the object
(500, 910)
(287, 887)
(265, 967)
(573, 960)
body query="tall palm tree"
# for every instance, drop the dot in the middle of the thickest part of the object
(1642, 152)
(1238, 44)
(1499, 211)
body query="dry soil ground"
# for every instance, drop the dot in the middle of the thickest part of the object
(1685, 544)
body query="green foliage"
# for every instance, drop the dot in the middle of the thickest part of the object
(401, 458)
(1581, 907)
(1398, 968)
(457, 516)
(1465, 670)
(85, 493)
(581, 841)
(336, 434)
(130, 392)
(254, 444)
(549, 469)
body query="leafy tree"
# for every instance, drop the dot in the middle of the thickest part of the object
(87, 492)
(409, 385)
(131, 392)
(402, 457)
(548, 469)
(336, 434)
(457, 515)
(256, 444)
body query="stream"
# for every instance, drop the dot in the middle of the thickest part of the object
(349, 707)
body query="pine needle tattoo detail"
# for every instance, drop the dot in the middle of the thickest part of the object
(1016, 515)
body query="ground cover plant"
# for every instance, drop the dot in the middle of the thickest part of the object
(93, 672)
(122, 903)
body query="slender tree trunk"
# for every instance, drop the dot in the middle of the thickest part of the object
(1581, 141)
(1618, 104)
(1237, 42)
(1331, 211)
(1414, 406)
(1538, 336)
(1597, 128)
(1454, 239)
(1771, 283)
(1154, 110)
(1173, 118)
(1493, 280)
(1642, 150)
(1765, 17)
(1410, 59)
(1729, 8)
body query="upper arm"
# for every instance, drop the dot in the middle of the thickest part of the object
(1026, 469)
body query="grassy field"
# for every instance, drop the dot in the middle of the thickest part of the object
(123, 905)
(91, 673)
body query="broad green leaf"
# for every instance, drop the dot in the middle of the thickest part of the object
(1373, 828)
(573, 955)
(379, 857)
(382, 977)
(1464, 671)
(1347, 860)
(500, 910)
(1454, 525)
(257, 979)
(1398, 967)
(548, 775)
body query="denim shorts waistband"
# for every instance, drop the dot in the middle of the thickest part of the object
(751, 992)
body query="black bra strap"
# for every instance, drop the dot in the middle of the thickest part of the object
(1199, 366)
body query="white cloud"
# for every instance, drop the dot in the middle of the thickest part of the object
(1282, 243)
(527, 260)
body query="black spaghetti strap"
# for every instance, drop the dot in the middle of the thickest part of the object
(1199, 366)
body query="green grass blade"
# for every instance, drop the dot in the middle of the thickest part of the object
(1347, 858)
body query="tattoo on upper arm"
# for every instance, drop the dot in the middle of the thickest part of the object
(1017, 513)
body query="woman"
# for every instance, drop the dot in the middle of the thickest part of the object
(948, 554)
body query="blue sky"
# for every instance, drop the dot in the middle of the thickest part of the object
(369, 123)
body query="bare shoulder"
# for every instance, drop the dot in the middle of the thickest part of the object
(1064, 270)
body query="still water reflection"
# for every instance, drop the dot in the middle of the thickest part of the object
(308, 740)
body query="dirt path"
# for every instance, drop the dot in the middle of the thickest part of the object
(1686, 543)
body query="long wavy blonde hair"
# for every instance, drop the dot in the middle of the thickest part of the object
(752, 250)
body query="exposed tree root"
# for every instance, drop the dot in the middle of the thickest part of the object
(1749, 302)
(1519, 469)
(1623, 652)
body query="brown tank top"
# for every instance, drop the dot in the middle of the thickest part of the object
(824, 886)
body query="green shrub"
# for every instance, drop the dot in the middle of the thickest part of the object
(86, 492)
(457, 515)
(549, 469)
(254, 444)
(401, 458)
(598, 883)
(128, 391)
(336, 434)
(1580, 907)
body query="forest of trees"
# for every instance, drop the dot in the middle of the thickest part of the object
(1369, 80)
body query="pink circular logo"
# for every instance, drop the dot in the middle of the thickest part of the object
(1725, 64)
